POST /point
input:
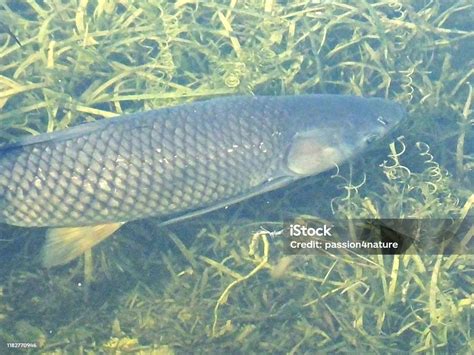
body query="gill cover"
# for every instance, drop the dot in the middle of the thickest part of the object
(310, 153)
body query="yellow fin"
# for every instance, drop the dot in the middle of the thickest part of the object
(65, 244)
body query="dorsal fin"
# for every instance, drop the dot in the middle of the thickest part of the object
(58, 135)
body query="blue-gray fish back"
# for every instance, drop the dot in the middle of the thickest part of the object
(155, 163)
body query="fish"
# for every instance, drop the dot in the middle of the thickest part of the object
(175, 163)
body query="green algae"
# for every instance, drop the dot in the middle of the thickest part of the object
(196, 287)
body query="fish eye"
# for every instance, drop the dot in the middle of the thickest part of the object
(381, 120)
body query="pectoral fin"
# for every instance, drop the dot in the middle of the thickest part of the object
(266, 187)
(65, 244)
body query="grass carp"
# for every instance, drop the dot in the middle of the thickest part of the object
(174, 163)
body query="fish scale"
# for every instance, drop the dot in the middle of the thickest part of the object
(147, 164)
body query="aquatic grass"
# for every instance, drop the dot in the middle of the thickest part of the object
(158, 289)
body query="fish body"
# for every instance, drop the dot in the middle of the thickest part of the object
(194, 157)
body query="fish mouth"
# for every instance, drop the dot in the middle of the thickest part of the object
(390, 121)
(395, 119)
(392, 131)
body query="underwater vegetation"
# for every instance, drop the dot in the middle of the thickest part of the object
(220, 282)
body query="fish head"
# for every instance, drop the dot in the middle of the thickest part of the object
(330, 129)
